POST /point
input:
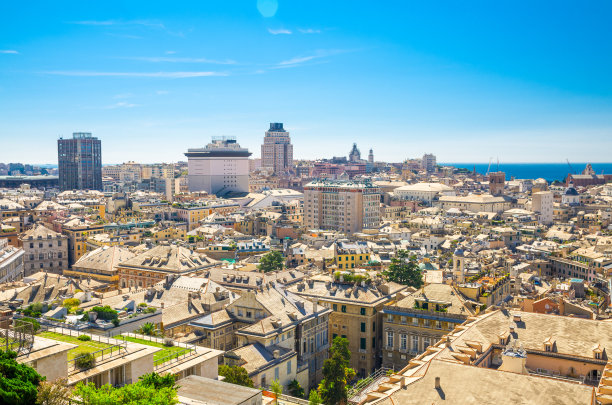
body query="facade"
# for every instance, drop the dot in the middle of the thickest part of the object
(428, 163)
(356, 315)
(277, 150)
(80, 162)
(417, 321)
(11, 262)
(349, 255)
(219, 168)
(345, 206)
(100, 265)
(423, 192)
(497, 182)
(45, 250)
(542, 202)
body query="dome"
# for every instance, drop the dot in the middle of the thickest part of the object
(458, 252)
(570, 191)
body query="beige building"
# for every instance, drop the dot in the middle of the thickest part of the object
(356, 315)
(542, 202)
(476, 203)
(417, 321)
(344, 206)
(45, 250)
(100, 265)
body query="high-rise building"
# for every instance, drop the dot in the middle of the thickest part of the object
(277, 150)
(219, 168)
(428, 163)
(345, 206)
(542, 202)
(80, 162)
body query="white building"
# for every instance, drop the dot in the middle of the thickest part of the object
(428, 163)
(220, 168)
(425, 192)
(11, 262)
(542, 203)
(277, 150)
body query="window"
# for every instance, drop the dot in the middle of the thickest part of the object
(403, 341)
(363, 326)
(289, 367)
(389, 318)
(415, 343)
(276, 373)
(363, 311)
(438, 325)
(373, 343)
(335, 306)
(389, 339)
(362, 343)
(343, 309)
(374, 326)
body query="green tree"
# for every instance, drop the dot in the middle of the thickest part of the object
(23, 321)
(276, 387)
(314, 398)
(272, 261)
(158, 381)
(18, 382)
(150, 390)
(236, 375)
(53, 393)
(336, 373)
(148, 329)
(71, 302)
(404, 270)
(295, 389)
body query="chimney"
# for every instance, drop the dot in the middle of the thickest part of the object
(276, 354)
(161, 305)
(437, 386)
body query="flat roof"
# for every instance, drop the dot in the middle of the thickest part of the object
(197, 390)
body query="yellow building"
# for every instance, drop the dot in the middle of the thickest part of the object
(78, 230)
(351, 255)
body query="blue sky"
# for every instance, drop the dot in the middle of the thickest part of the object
(466, 80)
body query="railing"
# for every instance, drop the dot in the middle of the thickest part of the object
(289, 400)
(172, 358)
(190, 349)
(98, 356)
(357, 392)
(60, 329)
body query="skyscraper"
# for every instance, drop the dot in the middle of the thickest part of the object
(428, 163)
(277, 150)
(220, 168)
(80, 162)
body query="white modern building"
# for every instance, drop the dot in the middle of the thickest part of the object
(428, 163)
(277, 150)
(11, 262)
(542, 203)
(219, 168)
(424, 192)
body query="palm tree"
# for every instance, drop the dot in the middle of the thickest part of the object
(148, 329)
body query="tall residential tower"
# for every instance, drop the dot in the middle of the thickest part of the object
(80, 162)
(277, 150)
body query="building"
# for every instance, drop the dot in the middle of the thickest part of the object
(277, 150)
(78, 230)
(417, 321)
(348, 255)
(423, 192)
(371, 157)
(219, 168)
(196, 390)
(155, 265)
(345, 206)
(40, 181)
(475, 203)
(45, 250)
(11, 262)
(356, 315)
(100, 265)
(542, 203)
(497, 182)
(428, 162)
(80, 162)
(354, 154)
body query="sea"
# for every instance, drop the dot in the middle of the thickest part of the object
(547, 171)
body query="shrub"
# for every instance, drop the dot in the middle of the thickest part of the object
(106, 313)
(71, 302)
(168, 342)
(85, 360)
(84, 338)
(26, 320)
(142, 304)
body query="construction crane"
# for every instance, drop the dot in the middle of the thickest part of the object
(489, 168)
(572, 171)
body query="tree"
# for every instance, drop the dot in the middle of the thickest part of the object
(314, 398)
(404, 270)
(236, 375)
(296, 389)
(151, 389)
(148, 329)
(18, 382)
(272, 261)
(24, 321)
(336, 373)
(276, 387)
(55, 393)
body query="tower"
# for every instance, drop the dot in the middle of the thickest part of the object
(277, 150)
(80, 162)
(459, 265)
(497, 182)
(371, 156)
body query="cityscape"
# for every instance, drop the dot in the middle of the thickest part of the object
(299, 266)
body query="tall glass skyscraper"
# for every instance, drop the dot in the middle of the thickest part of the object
(80, 162)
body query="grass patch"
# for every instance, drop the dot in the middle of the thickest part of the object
(166, 351)
(89, 346)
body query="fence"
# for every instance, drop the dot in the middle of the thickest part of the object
(98, 356)
(75, 333)
(190, 349)
(18, 339)
(357, 392)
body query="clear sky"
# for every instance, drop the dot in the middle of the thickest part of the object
(525, 81)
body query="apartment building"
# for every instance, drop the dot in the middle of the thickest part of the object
(411, 324)
(356, 315)
(45, 250)
(277, 150)
(78, 230)
(154, 265)
(11, 262)
(344, 206)
(100, 265)
(542, 203)
(80, 162)
(350, 255)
